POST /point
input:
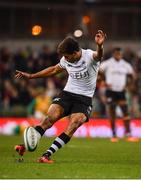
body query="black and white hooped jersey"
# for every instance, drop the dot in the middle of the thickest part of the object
(82, 74)
(116, 73)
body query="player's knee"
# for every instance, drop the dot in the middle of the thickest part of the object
(54, 113)
(111, 106)
(54, 116)
(46, 123)
(124, 109)
(75, 122)
(78, 120)
(126, 118)
(49, 120)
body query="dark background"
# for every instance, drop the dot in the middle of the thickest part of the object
(119, 18)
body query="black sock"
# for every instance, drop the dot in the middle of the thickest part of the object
(40, 130)
(58, 143)
(113, 127)
(127, 126)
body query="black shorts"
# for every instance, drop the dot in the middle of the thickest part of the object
(114, 97)
(74, 103)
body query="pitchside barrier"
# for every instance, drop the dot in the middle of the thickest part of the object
(93, 128)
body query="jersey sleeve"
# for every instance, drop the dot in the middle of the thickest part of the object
(90, 54)
(130, 69)
(62, 63)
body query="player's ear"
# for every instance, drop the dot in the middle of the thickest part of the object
(75, 52)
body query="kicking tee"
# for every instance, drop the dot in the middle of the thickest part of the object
(116, 73)
(82, 74)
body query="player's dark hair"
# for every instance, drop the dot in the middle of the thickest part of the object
(117, 49)
(68, 46)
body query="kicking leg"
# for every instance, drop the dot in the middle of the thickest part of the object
(55, 112)
(76, 120)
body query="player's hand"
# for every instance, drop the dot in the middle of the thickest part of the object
(100, 37)
(20, 74)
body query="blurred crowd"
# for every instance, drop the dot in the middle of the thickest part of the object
(21, 97)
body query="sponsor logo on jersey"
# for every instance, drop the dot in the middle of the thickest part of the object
(79, 75)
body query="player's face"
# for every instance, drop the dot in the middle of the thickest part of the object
(117, 55)
(72, 57)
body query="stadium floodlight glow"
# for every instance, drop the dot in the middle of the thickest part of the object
(78, 33)
(36, 30)
(86, 19)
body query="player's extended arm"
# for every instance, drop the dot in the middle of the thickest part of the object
(44, 73)
(99, 39)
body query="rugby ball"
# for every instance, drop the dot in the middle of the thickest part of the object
(30, 139)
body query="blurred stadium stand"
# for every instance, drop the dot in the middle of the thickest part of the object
(21, 49)
(119, 18)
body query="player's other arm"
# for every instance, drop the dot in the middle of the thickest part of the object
(44, 73)
(99, 39)
(101, 76)
(131, 78)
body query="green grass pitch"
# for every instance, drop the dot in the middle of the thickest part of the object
(81, 158)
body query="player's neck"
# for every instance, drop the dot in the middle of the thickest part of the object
(117, 60)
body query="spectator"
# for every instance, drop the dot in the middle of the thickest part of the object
(33, 61)
(39, 105)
